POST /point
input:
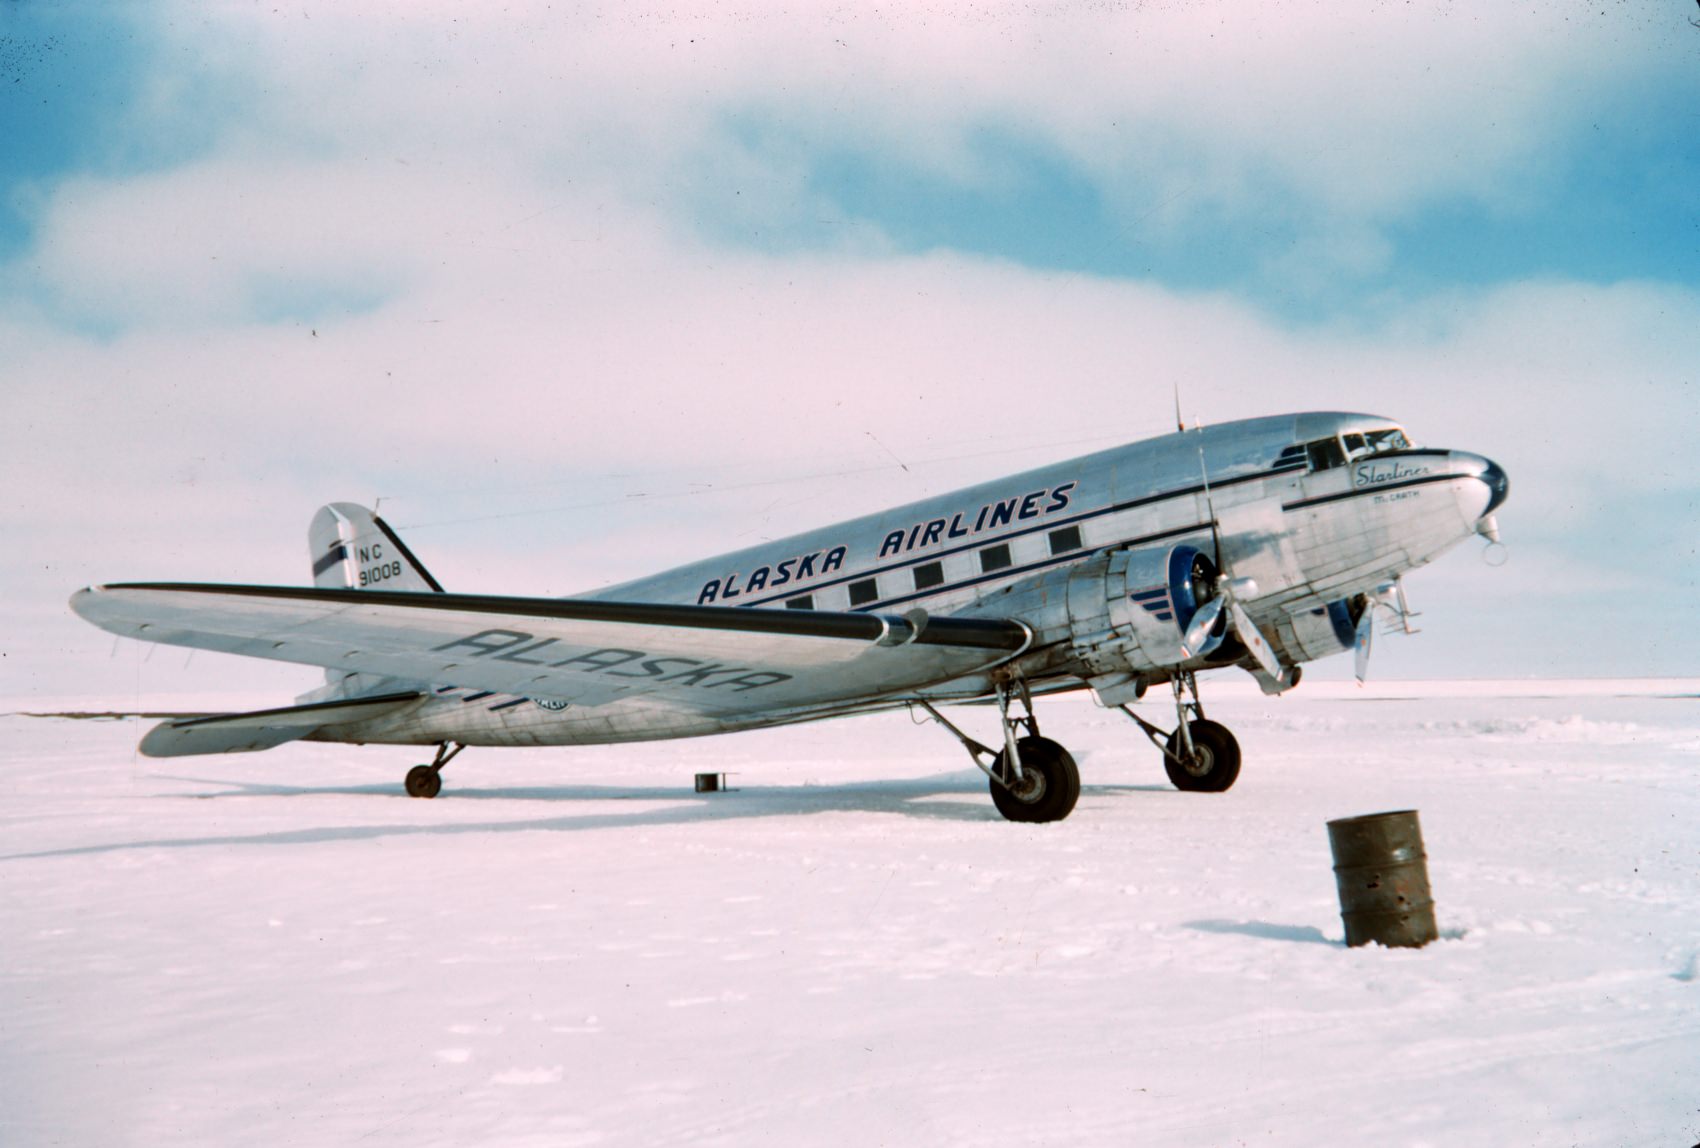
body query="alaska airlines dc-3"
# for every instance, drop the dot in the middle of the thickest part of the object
(1262, 544)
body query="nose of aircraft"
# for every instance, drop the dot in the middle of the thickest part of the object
(1491, 474)
(1497, 483)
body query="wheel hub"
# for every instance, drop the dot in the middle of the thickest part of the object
(1030, 787)
(1201, 762)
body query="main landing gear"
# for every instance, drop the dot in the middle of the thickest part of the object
(427, 780)
(1201, 756)
(1032, 778)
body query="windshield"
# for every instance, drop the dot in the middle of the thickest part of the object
(1375, 442)
(1327, 453)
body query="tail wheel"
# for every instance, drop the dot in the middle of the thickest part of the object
(1049, 784)
(1215, 761)
(423, 781)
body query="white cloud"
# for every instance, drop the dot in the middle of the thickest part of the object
(1361, 113)
(510, 330)
(506, 367)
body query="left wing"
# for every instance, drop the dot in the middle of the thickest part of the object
(707, 659)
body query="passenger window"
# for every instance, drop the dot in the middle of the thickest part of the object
(863, 592)
(1325, 454)
(928, 575)
(1292, 456)
(1064, 540)
(806, 602)
(994, 557)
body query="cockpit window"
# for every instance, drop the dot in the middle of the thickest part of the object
(1375, 442)
(1390, 439)
(1325, 453)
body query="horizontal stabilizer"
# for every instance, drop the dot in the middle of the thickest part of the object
(262, 729)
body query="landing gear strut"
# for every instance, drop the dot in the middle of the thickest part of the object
(1032, 778)
(427, 780)
(1200, 756)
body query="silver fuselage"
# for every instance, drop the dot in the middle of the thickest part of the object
(1297, 534)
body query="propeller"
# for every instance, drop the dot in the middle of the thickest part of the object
(1389, 596)
(1198, 637)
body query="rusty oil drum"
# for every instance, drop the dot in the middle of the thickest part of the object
(1382, 875)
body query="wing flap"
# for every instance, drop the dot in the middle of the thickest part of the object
(711, 660)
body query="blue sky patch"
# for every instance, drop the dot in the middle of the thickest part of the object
(83, 91)
(1620, 199)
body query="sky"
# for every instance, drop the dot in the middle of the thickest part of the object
(583, 291)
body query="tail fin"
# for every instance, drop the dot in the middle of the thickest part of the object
(353, 549)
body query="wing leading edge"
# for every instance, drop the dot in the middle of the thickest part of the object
(710, 660)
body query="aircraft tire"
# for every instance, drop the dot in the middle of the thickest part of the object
(423, 781)
(1217, 765)
(1053, 785)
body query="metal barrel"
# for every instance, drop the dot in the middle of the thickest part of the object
(708, 782)
(1381, 872)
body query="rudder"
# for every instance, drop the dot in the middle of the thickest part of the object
(351, 548)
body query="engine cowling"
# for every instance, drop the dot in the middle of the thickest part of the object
(1317, 633)
(1128, 609)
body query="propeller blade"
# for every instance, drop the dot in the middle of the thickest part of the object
(1254, 640)
(1210, 505)
(1366, 635)
(1197, 637)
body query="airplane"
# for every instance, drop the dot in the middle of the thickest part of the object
(1263, 544)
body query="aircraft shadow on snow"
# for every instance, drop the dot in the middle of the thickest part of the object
(909, 799)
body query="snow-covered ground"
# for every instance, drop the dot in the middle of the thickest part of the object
(572, 947)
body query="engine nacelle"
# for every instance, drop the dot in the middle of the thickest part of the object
(1129, 609)
(1318, 633)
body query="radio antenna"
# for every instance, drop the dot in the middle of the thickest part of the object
(1180, 424)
